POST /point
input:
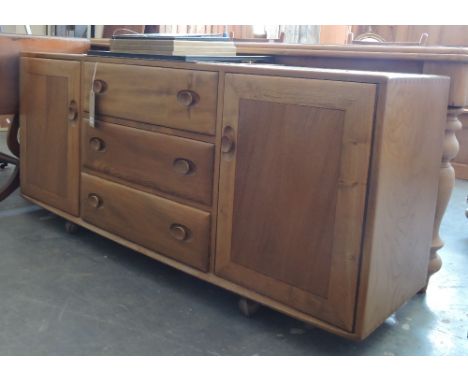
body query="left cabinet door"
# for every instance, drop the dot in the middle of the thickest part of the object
(49, 132)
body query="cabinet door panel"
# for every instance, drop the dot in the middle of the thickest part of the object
(292, 190)
(49, 118)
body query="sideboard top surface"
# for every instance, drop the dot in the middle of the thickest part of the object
(245, 68)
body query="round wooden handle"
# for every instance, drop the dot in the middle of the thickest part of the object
(94, 200)
(227, 144)
(99, 86)
(187, 98)
(179, 232)
(97, 144)
(183, 166)
(72, 111)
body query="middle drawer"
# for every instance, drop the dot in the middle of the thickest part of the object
(179, 166)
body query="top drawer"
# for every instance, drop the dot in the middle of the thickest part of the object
(178, 98)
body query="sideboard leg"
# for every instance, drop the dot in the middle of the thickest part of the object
(446, 184)
(248, 307)
(71, 228)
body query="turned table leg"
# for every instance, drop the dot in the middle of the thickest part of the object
(446, 184)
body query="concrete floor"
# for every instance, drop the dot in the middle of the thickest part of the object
(81, 294)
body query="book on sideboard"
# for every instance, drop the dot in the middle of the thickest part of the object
(178, 45)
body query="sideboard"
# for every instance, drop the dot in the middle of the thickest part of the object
(311, 191)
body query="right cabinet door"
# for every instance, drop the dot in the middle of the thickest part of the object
(294, 165)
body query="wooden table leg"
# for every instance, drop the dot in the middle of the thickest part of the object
(13, 144)
(446, 184)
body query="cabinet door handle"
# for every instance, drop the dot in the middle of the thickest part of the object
(94, 200)
(179, 232)
(183, 166)
(187, 98)
(97, 144)
(227, 144)
(227, 140)
(99, 86)
(72, 111)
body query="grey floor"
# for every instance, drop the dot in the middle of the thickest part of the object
(81, 294)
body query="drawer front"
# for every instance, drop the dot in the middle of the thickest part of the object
(167, 227)
(179, 166)
(178, 98)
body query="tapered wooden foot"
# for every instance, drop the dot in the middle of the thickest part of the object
(248, 307)
(71, 228)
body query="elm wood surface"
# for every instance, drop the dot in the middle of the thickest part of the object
(49, 133)
(155, 95)
(446, 61)
(397, 286)
(402, 192)
(170, 228)
(10, 48)
(174, 165)
(292, 190)
(154, 128)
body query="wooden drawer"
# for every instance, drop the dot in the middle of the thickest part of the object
(178, 98)
(167, 227)
(175, 165)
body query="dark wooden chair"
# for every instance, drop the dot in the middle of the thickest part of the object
(371, 38)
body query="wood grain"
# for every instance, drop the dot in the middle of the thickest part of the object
(276, 172)
(149, 95)
(302, 224)
(151, 159)
(402, 197)
(147, 220)
(49, 140)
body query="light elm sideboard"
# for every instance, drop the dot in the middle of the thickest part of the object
(311, 191)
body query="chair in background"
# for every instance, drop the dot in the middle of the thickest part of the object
(371, 38)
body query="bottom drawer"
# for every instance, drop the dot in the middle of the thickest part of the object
(167, 227)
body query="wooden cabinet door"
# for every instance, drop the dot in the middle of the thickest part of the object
(49, 121)
(293, 175)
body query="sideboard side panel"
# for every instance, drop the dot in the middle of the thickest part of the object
(402, 197)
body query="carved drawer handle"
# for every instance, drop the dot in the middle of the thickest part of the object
(94, 200)
(99, 86)
(187, 98)
(183, 166)
(179, 232)
(97, 144)
(72, 111)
